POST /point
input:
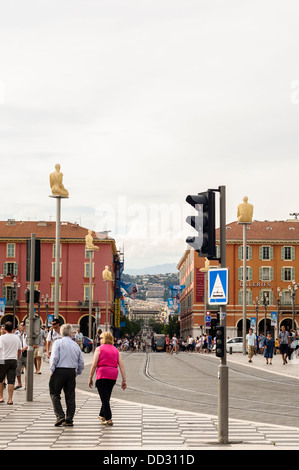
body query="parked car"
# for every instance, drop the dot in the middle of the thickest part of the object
(87, 344)
(235, 343)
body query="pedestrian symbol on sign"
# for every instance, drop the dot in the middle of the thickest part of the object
(218, 286)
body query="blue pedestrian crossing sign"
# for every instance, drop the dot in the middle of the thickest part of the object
(218, 286)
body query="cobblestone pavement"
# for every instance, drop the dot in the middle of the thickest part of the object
(30, 425)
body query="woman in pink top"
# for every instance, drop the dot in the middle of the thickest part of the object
(106, 361)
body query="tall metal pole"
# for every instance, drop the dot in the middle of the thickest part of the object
(90, 293)
(57, 256)
(30, 350)
(107, 292)
(244, 284)
(223, 369)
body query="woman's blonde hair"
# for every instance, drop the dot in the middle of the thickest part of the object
(107, 338)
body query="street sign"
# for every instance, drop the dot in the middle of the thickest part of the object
(218, 286)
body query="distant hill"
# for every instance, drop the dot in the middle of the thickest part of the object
(158, 269)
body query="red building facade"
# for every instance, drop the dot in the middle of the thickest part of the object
(74, 272)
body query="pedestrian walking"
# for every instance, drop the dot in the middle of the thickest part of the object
(106, 362)
(284, 341)
(10, 350)
(22, 360)
(250, 342)
(39, 351)
(174, 344)
(53, 335)
(66, 362)
(79, 339)
(98, 336)
(269, 345)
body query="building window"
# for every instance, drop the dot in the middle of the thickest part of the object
(269, 294)
(248, 250)
(288, 253)
(288, 274)
(53, 269)
(10, 250)
(248, 273)
(8, 293)
(10, 269)
(286, 297)
(248, 297)
(86, 293)
(266, 273)
(86, 269)
(266, 252)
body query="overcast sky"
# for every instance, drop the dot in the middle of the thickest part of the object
(143, 102)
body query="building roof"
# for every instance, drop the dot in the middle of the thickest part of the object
(263, 231)
(13, 229)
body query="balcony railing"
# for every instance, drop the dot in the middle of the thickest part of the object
(85, 304)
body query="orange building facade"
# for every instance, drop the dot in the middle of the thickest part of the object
(272, 265)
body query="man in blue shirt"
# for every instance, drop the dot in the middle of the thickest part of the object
(66, 362)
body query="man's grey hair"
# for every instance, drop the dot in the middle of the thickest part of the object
(66, 329)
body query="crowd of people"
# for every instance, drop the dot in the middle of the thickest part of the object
(63, 348)
(286, 344)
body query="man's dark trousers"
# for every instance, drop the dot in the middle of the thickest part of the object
(63, 379)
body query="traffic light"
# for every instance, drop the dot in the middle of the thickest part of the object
(204, 224)
(220, 341)
(36, 295)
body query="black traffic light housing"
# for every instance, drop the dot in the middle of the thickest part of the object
(220, 341)
(204, 224)
(36, 296)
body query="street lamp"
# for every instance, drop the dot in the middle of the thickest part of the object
(256, 314)
(278, 301)
(265, 303)
(293, 291)
(15, 288)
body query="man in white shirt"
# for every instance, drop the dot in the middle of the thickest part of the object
(250, 340)
(53, 335)
(22, 359)
(10, 350)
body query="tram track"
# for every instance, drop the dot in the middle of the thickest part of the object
(235, 403)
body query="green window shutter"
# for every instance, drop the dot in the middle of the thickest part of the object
(15, 269)
(282, 274)
(282, 252)
(249, 251)
(240, 252)
(261, 252)
(271, 274)
(4, 291)
(249, 301)
(240, 274)
(250, 274)
(271, 252)
(293, 274)
(293, 253)
(240, 297)
(5, 269)
(261, 274)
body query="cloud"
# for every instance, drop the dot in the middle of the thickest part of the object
(147, 102)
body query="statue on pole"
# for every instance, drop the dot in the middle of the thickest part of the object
(56, 183)
(245, 211)
(89, 242)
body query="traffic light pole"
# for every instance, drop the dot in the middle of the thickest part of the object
(30, 350)
(223, 368)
